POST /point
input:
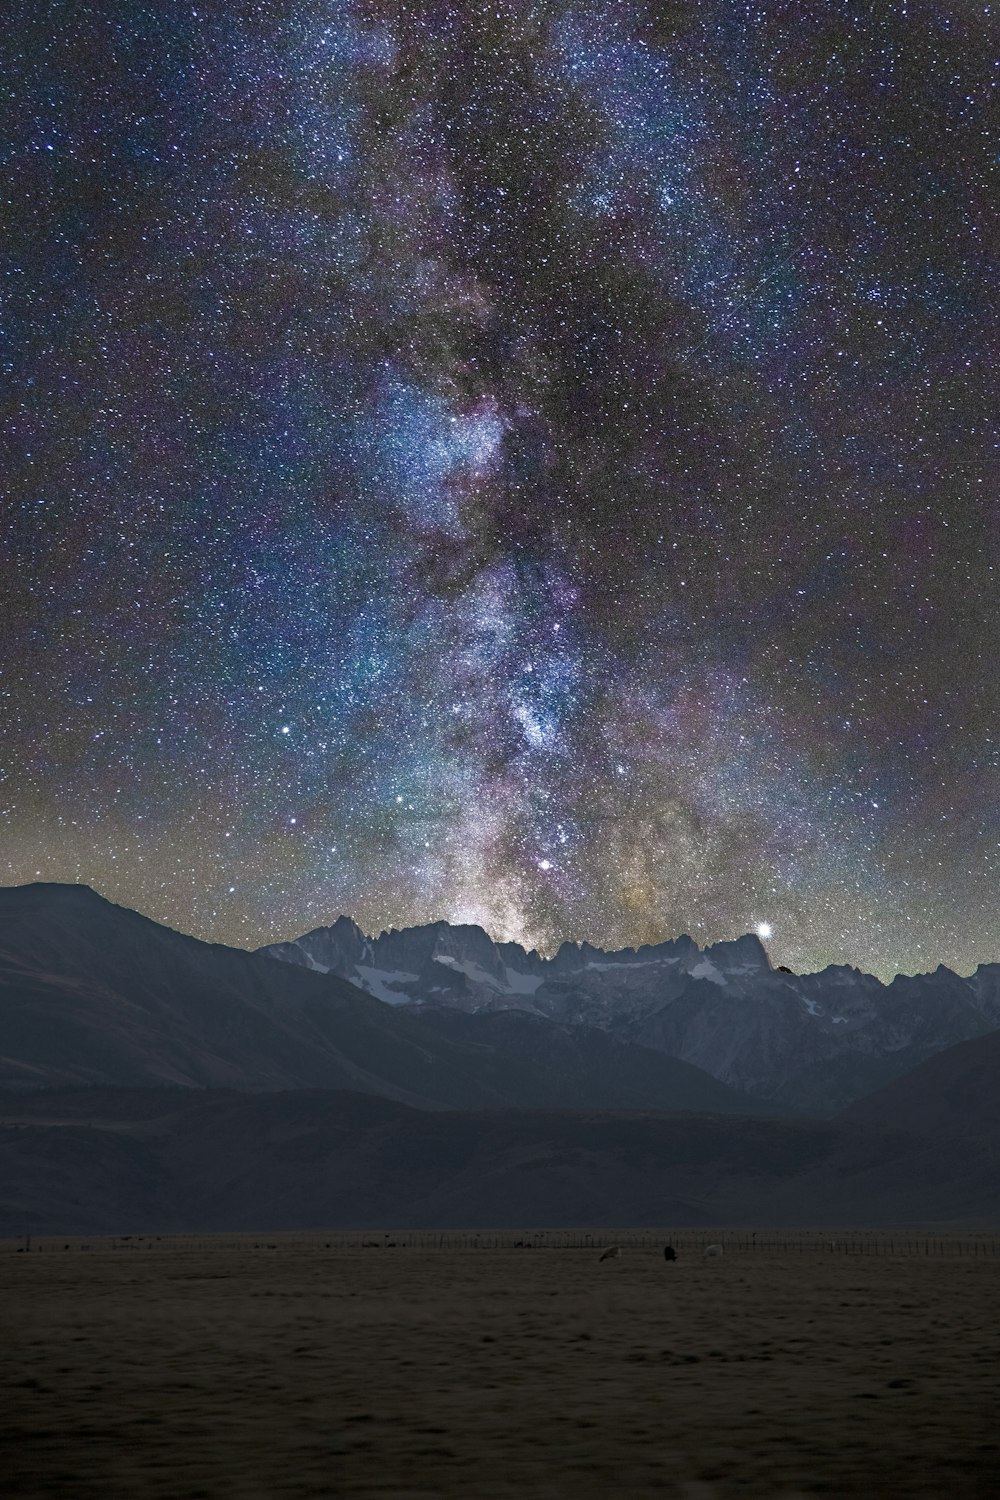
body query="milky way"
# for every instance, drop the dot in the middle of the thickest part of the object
(532, 464)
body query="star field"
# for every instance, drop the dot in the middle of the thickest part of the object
(533, 464)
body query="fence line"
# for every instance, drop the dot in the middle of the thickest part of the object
(735, 1241)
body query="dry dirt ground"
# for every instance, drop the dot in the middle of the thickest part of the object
(231, 1373)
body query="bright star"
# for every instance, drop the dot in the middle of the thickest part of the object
(764, 930)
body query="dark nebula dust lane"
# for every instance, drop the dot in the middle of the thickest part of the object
(533, 464)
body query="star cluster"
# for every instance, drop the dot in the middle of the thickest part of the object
(527, 463)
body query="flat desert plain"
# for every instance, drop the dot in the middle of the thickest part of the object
(312, 1368)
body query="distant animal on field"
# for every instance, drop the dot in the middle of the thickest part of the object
(712, 1252)
(613, 1252)
(669, 1253)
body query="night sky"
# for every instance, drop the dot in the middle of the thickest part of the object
(527, 463)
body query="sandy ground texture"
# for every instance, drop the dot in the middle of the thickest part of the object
(228, 1371)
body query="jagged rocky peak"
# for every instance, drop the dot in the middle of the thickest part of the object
(683, 947)
(467, 943)
(746, 952)
(942, 980)
(570, 956)
(339, 948)
(456, 946)
(517, 957)
(574, 957)
(418, 964)
(347, 925)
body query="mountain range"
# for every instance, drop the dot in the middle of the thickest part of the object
(92, 993)
(812, 1041)
(150, 1081)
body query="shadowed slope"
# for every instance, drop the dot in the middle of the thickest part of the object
(955, 1093)
(106, 1161)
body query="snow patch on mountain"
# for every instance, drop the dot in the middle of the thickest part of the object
(625, 963)
(384, 983)
(523, 984)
